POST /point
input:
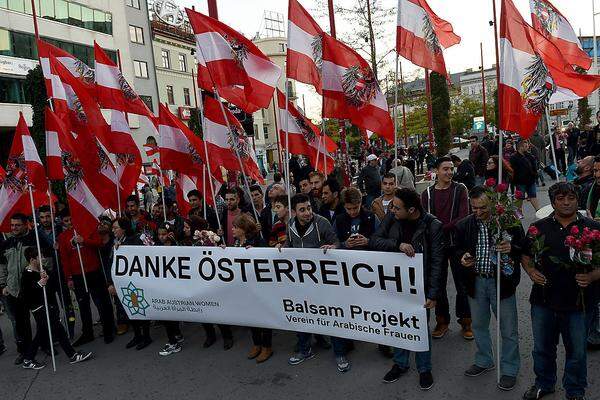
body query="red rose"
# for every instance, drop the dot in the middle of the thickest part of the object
(578, 244)
(500, 209)
(490, 182)
(533, 231)
(501, 188)
(519, 195)
(596, 234)
(570, 241)
(575, 230)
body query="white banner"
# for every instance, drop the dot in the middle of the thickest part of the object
(363, 295)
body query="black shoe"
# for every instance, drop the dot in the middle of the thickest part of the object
(321, 342)
(33, 364)
(133, 342)
(83, 339)
(507, 382)
(19, 359)
(394, 374)
(425, 380)
(2, 349)
(227, 343)
(145, 342)
(109, 339)
(385, 351)
(476, 370)
(534, 393)
(210, 340)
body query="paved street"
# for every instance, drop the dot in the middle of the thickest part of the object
(116, 373)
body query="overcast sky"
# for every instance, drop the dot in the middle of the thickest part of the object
(468, 17)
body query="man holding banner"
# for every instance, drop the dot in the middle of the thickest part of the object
(410, 230)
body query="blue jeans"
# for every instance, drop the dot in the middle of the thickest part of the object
(304, 344)
(594, 331)
(548, 326)
(422, 358)
(482, 305)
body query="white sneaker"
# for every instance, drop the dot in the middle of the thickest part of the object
(80, 356)
(33, 364)
(343, 364)
(170, 349)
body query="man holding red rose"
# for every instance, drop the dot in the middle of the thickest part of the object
(564, 292)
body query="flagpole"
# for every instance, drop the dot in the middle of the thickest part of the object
(318, 153)
(325, 152)
(202, 127)
(39, 249)
(58, 270)
(396, 111)
(483, 90)
(287, 146)
(552, 143)
(204, 190)
(275, 111)
(500, 164)
(403, 108)
(429, 110)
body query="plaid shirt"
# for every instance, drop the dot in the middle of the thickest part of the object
(483, 262)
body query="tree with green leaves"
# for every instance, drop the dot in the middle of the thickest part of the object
(440, 109)
(584, 113)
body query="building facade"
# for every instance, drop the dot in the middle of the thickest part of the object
(73, 26)
(471, 84)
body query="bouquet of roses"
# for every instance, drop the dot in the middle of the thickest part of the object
(537, 244)
(505, 214)
(206, 238)
(584, 253)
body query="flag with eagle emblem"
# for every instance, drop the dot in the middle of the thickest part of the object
(351, 91)
(549, 21)
(421, 35)
(533, 74)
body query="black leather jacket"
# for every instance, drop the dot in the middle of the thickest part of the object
(428, 239)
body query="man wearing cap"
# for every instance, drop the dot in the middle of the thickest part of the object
(369, 180)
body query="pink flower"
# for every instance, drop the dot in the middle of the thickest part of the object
(570, 241)
(519, 195)
(502, 187)
(578, 244)
(575, 230)
(490, 182)
(500, 209)
(533, 231)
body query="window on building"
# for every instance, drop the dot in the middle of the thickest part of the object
(186, 97)
(87, 17)
(75, 14)
(170, 95)
(140, 69)
(5, 49)
(23, 45)
(136, 34)
(255, 129)
(182, 62)
(266, 132)
(166, 60)
(11, 91)
(46, 9)
(16, 5)
(148, 101)
(133, 3)
(282, 47)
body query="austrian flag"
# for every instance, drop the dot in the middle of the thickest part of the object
(533, 74)
(422, 35)
(233, 64)
(351, 91)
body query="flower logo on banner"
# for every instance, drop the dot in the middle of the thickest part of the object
(134, 300)
(126, 88)
(547, 16)
(431, 39)
(238, 50)
(86, 74)
(237, 140)
(359, 85)
(72, 170)
(538, 86)
(15, 178)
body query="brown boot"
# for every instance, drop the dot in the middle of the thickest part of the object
(122, 329)
(467, 331)
(265, 354)
(254, 352)
(441, 328)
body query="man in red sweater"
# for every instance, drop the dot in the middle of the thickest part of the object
(68, 241)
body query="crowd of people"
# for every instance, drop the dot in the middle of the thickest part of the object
(447, 223)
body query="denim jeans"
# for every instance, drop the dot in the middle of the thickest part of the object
(482, 305)
(594, 331)
(422, 358)
(548, 326)
(304, 344)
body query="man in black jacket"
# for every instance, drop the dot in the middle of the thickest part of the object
(369, 180)
(524, 165)
(409, 229)
(331, 206)
(267, 216)
(355, 225)
(197, 208)
(477, 254)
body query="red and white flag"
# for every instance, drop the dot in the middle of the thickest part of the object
(304, 136)
(82, 182)
(53, 154)
(224, 137)
(304, 51)
(242, 74)
(112, 90)
(533, 74)
(186, 183)
(151, 149)
(422, 35)
(549, 21)
(23, 168)
(181, 150)
(351, 91)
